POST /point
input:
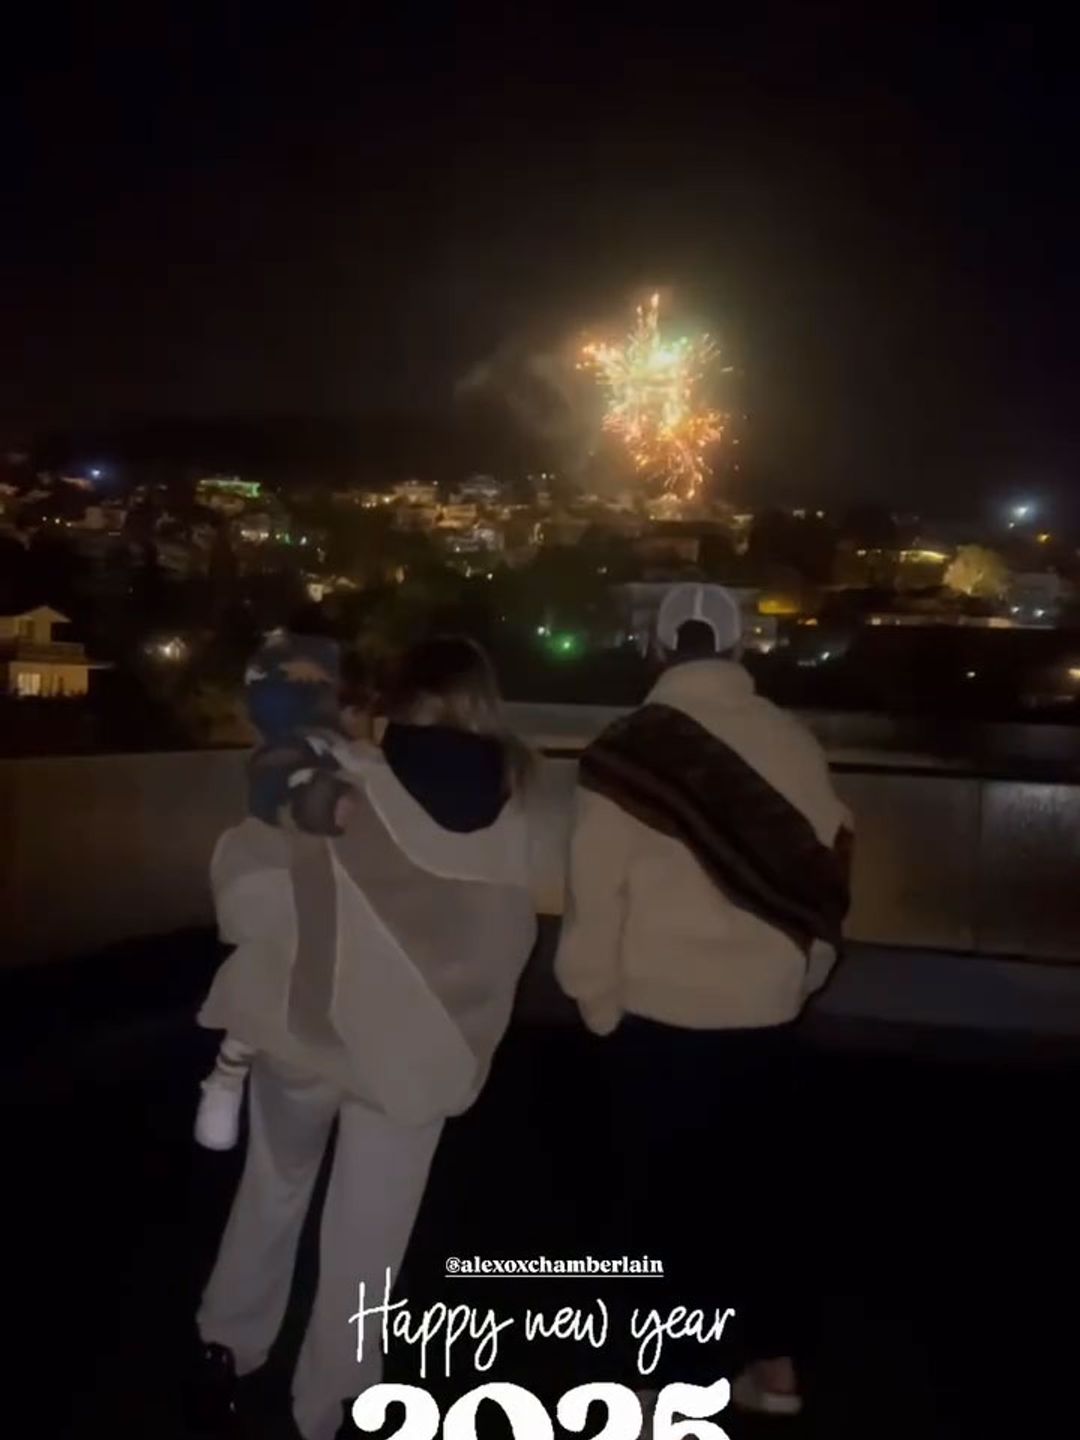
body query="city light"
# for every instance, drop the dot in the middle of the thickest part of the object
(1019, 512)
(653, 403)
(172, 650)
(229, 485)
(778, 605)
(564, 645)
(922, 557)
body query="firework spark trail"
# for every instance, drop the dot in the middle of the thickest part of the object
(652, 401)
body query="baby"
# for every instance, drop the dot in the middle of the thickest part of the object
(295, 696)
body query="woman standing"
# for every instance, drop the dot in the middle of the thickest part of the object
(375, 993)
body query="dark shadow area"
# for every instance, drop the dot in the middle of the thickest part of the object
(935, 1205)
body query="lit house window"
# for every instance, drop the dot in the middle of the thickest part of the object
(28, 682)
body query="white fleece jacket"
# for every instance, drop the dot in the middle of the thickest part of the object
(384, 960)
(645, 930)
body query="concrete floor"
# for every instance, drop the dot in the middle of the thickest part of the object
(939, 1214)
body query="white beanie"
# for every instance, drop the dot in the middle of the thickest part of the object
(711, 604)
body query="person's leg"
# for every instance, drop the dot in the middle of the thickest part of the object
(707, 1131)
(376, 1185)
(658, 1172)
(233, 1062)
(245, 1298)
(768, 1137)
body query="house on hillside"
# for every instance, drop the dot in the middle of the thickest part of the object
(1037, 598)
(33, 664)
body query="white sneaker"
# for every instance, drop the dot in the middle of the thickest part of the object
(217, 1121)
(749, 1394)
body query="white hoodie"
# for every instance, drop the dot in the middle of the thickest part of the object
(646, 931)
(384, 960)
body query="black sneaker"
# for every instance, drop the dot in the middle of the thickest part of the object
(210, 1399)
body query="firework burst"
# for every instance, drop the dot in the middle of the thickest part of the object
(653, 404)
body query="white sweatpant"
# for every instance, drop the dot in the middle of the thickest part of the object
(379, 1173)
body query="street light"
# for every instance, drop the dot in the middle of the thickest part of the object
(172, 649)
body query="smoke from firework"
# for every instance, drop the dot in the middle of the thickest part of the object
(539, 390)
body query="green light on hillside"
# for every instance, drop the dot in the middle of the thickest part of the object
(565, 646)
(231, 485)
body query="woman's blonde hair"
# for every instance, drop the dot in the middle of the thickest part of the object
(449, 680)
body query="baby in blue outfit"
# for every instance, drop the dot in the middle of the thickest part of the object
(293, 694)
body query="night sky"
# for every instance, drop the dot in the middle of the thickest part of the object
(876, 217)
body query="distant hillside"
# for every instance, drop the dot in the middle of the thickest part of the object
(375, 448)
